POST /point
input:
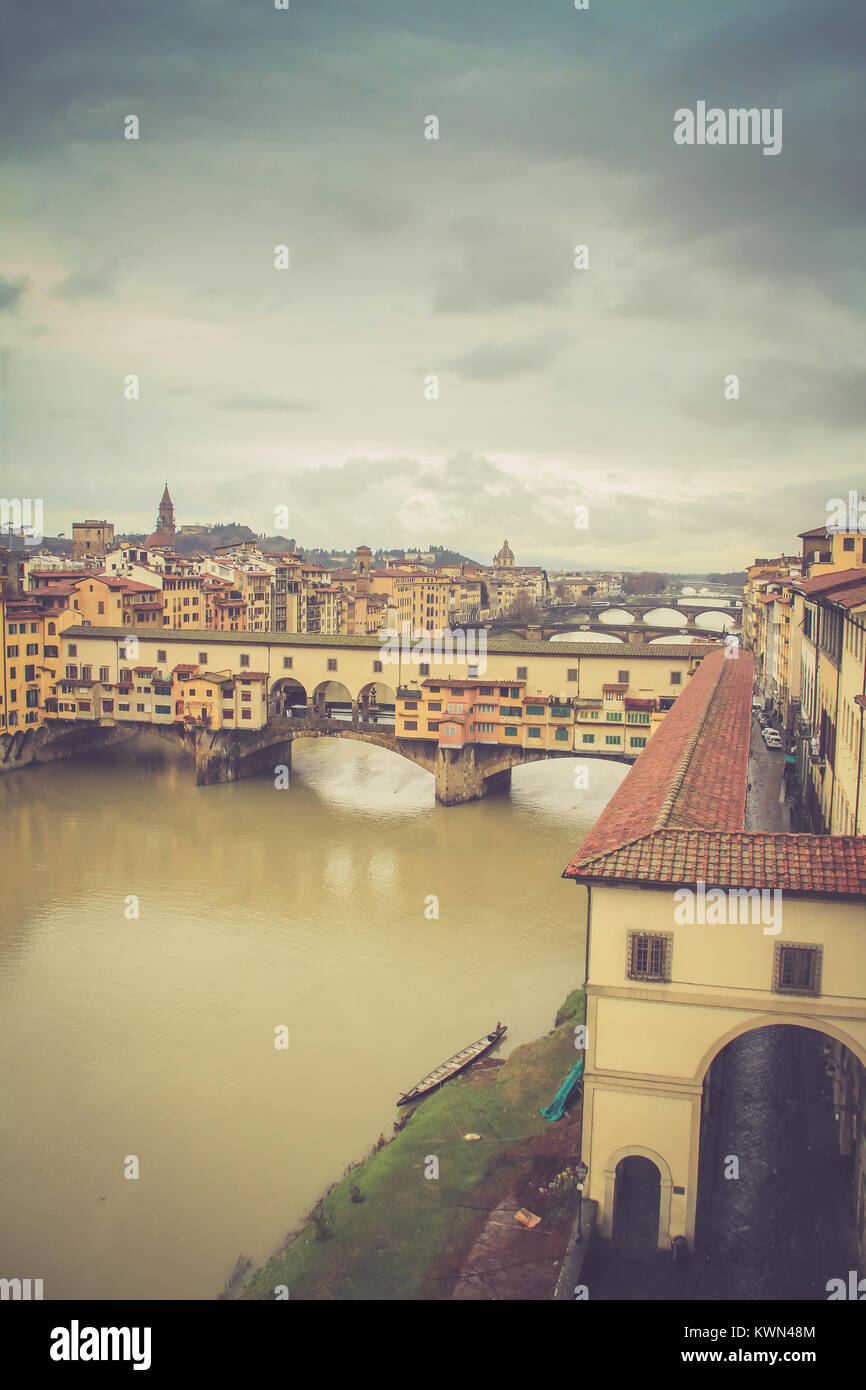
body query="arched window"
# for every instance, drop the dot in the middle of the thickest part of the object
(52, 629)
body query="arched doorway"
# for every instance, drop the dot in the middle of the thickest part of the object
(636, 1206)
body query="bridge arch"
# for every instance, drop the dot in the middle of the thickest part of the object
(617, 617)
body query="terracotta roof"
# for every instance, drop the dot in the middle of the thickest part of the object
(615, 688)
(692, 772)
(677, 818)
(185, 669)
(819, 532)
(824, 584)
(799, 863)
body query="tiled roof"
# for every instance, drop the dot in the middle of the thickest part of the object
(495, 645)
(799, 863)
(616, 687)
(824, 584)
(677, 817)
(819, 532)
(693, 770)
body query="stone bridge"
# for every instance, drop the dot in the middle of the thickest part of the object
(232, 755)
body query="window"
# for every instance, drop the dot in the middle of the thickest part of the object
(158, 709)
(246, 714)
(161, 655)
(412, 704)
(73, 649)
(100, 606)
(511, 730)
(104, 674)
(612, 738)
(424, 668)
(245, 661)
(332, 663)
(13, 628)
(613, 717)
(245, 695)
(848, 543)
(139, 709)
(434, 705)
(432, 726)
(434, 689)
(123, 709)
(32, 649)
(589, 738)
(535, 733)
(456, 708)
(108, 707)
(561, 735)
(410, 724)
(638, 717)
(87, 673)
(377, 667)
(11, 651)
(571, 673)
(649, 956)
(31, 698)
(202, 659)
(535, 709)
(522, 674)
(676, 677)
(637, 742)
(52, 629)
(622, 677)
(796, 969)
(84, 706)
(30, 673)
(72, 673)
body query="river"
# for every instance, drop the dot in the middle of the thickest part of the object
(258, 908)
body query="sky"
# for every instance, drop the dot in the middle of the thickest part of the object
(559, 387)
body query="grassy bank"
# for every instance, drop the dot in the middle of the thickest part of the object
(408, 1236)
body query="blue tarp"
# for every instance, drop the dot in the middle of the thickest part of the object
(555, 1111)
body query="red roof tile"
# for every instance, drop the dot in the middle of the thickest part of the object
(799, 863)
(677, 817)
(824, 584)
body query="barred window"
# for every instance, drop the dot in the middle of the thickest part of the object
(649, 956)
(797, 968)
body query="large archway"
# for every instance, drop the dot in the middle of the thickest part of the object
(781, 1182)
(288, 698)
(640, 1185)
(331, 699)
(377, 703)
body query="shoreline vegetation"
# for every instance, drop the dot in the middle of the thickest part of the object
(400, 1223)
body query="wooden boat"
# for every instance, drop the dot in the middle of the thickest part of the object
(459, 1062)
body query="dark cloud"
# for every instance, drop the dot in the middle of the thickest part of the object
(499, 361)
(95, 282)
(11, 292)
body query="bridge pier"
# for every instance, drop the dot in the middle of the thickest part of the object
(232, 757)
(460, 775)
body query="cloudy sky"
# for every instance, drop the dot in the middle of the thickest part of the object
(411, 257)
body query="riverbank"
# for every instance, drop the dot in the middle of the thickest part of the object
(392, 1230)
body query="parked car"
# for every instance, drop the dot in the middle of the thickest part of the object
(772, 738)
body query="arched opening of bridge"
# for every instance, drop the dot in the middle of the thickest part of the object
(636, 1207)
(716, 622)
(616, 615)
(781, 1196)
(376, 704)
(288, 698)
(331, 699)
(580, 636)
